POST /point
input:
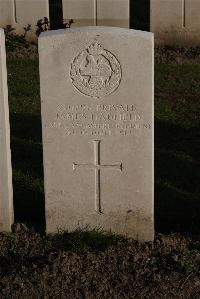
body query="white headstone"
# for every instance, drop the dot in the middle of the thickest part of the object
(6, 200)
(97, 118)
(176, 21)
(81, 11)
(113, 13)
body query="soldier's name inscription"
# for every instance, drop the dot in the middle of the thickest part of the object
(99, 119)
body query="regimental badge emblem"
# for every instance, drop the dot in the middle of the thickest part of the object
(96, 72)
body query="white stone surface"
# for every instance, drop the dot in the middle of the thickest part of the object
(192, 17)
(113, 13)
(6, 194)
(81, 11)
(176, 21)
(6, 13)
(97, 12)
(167, 15)
(97, 118)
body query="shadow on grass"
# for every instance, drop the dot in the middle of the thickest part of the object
(177, 177)
(26, 126)
(27, 165)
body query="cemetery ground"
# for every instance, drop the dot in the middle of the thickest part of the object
(94, 264)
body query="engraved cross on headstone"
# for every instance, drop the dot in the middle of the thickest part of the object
(97, 166)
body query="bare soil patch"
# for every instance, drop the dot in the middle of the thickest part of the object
(97, 265)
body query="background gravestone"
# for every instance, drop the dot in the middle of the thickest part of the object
(113, 13)
(99, 12)
(97, 117)
(21, 13)
(176, 21)
(192, 16)
(82, 12)
(7, 14)
(6, 203)
(29, 12)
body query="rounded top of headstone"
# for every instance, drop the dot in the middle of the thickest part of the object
(99, 29)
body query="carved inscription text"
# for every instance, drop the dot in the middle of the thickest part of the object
(99, 120)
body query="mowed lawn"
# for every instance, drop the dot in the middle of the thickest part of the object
(177, 145)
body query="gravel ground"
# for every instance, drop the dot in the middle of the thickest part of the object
(95, 265)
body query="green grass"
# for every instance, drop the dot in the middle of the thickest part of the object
(177, 89)
(177, 145)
